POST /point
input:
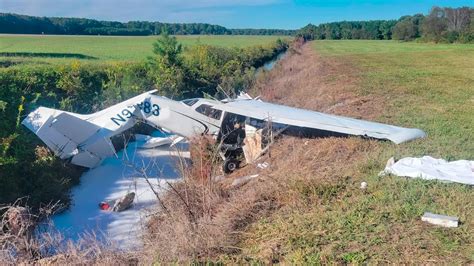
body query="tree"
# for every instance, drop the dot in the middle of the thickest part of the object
(169, 49)
(166, 67)
(467, 35)
(435, 24)
(458, 19)
(408, 28)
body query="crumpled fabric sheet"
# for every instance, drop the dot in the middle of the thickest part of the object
(430, 168)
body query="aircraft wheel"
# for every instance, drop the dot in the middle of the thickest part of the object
(230, 165)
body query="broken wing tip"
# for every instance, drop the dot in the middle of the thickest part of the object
(407, 135)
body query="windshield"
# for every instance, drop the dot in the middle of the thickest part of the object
(208, 111)
(190, 102)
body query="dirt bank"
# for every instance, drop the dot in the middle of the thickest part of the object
(307, 80)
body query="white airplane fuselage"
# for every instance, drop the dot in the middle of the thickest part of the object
(86, 139)
(178, 117)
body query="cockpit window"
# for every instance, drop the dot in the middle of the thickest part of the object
(190, 102)
(207, 110)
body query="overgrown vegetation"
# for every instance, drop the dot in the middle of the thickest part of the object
(440, 25)
(29, 169)
(27, 239)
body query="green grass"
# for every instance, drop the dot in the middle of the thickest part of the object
(109, 48)
(426, 86)
(430, 86)
(365, 47)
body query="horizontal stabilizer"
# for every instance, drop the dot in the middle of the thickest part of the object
(64, 134)
(74, 128)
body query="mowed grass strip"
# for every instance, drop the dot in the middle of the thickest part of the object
(328, 218)
(429, 86)
(110, 48)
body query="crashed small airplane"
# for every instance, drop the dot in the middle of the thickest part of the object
(86, 140)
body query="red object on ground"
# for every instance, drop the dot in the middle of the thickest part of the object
(104, 206)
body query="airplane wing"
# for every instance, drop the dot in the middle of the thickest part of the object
(315, 120)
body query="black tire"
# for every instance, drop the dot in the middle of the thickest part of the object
(230, 165)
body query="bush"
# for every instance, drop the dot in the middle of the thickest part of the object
(24, 170)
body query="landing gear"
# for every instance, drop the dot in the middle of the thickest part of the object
(229, 165)
(232, 156)
(231, 138)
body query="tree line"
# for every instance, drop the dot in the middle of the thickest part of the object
(349, 30)
(440, 25)
(22, 24)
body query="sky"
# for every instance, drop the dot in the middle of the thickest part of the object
(282, 14)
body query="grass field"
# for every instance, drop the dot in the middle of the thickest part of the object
(364, 47)
(325, 217)
(430, 85)
(57, 49)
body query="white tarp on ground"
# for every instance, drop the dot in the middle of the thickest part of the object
(114, 178)
(427, 167)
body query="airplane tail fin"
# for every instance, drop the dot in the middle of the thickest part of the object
(65, 133)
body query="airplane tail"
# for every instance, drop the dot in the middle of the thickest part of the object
(67, 135)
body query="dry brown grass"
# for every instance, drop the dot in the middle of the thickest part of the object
(205, 220)
(306, 80)
(27, 238)
(202, 219)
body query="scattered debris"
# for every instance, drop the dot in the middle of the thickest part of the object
(104, 205)
(429, 168)
(252, 143)
(124, 203)
(149, 142)
(441, 220)
(363, 185)
(263, 165)
(389, 164)
(113, 179)
(218, 178)
(119, 205)
(239, 181)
